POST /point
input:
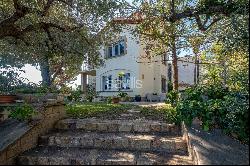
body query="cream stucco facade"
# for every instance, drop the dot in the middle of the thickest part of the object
(188, 72)
(145, 77)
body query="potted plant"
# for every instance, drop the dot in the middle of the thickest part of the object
(7, 98)
(138, 98)
(115, 99)
(123, 95)
(127, 98)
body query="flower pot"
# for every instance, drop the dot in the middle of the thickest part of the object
(138, 98)
(7, 99)
(115, 100)
(123, 99)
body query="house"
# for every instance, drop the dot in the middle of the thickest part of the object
(126, 69)
(188, 72)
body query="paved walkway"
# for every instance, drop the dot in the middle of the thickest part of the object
(143, 104)
(216, 148)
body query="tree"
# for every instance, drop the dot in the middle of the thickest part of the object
(193, 18)
(167, 37)
(231, 69)
(57, 35)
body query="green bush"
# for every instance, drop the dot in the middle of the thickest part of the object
(23, 113)
(122, 94)
(166, 113)
(216, 106)
(236, 119)
(109, 100)
(172, 98)
(75, 95)
(91, 93)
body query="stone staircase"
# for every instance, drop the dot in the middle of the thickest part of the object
(109, 142)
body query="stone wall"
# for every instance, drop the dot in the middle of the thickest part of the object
(18, 140)
(191, 148)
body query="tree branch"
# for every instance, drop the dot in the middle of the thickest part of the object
(46, 8)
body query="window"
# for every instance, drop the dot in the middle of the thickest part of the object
(109, 51)
(109, 82)
(125, 81)
(163, 85)
(122, 47)
(106, 82)
(116, 49)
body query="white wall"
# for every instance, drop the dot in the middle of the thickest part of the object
(152, 71)
(125, 63)
(128, 63)
(186, 71)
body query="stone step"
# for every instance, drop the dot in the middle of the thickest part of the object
(118, 141)
(135, 126)
(79, 156)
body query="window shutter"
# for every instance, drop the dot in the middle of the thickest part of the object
(105, 52)
(125, 45)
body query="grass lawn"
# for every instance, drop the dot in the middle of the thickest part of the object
(111, 111)
(96, 109)
(164, 113)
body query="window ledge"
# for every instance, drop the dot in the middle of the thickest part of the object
(117, 91)
(115, 56)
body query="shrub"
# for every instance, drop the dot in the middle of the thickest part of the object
(236, 119)
(122, 94)
(91, 93)
(166, 113)
(172, 98)
(75, 95)
(109, 100)
(23, 113)
(216, 106)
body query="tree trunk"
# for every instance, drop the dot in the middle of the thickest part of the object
(195, 70)
(175, 65)
(45, 70)
(198, 71)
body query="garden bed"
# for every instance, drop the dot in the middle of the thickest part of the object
(96, 109)
(121, 111)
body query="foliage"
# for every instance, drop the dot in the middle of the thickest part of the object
(170, 86)
(75, 95)
(215, 106)
(172, 97)
(10, 79)
(91, 92)
(122, 94)
(55, 35)
(222, 98)
(236, 120)
(32, 88)
(109, 99)
(166, 113)
(23, 113)
(85, 110)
